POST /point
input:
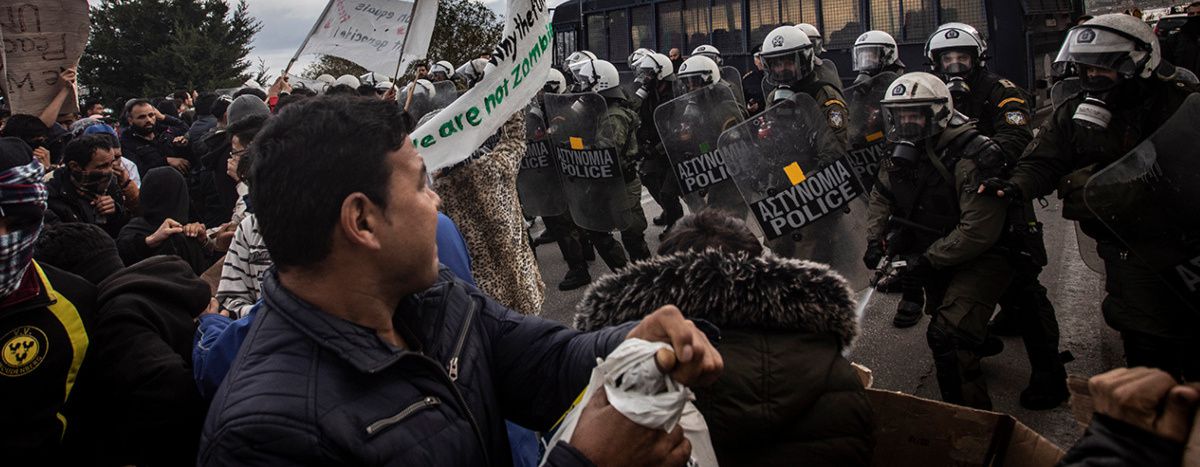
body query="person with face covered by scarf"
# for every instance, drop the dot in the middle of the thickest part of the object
(45, 322)
(86, 188)
(164, 228)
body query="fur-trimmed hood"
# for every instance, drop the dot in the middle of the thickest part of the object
(729, 290)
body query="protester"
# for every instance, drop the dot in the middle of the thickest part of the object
(82, 249)
(44, 336)
(152, 410)
(94, 108)
(186, 101)
(1182, 47)
(33, 133)
(247, 259)
(85, 189)
(125, 169)
(164, 228)
(481, 195)
(144, 144)
(1143, 417)
(354, 248)
(787, 392)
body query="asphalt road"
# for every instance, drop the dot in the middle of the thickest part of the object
(900, 359)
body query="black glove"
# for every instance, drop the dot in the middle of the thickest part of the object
(917, 265)
(994, 185)
(873, 254)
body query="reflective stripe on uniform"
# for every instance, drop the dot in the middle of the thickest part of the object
(72, 323)
(833, 101)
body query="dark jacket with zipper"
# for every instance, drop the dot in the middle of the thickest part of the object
(311, 389)
(787, 396)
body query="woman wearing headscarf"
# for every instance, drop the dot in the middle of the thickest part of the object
(163, 229)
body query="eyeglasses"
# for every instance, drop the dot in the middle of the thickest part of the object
(239, 153)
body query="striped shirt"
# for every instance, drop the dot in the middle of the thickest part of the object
(245, 263)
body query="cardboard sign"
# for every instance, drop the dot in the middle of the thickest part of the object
(41, 39)
(373, 33)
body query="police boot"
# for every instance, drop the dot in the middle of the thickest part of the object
(1047, 389)
(588, 249)
(609, 250)
(959, 376)
(575, 279)
(911, 307)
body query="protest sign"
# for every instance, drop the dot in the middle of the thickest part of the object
(515, 74)
(41, 39)
(373, 34)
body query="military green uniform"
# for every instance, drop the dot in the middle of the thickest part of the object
(972, 245)
(827, 71)
(617, 130)
(1156, 327)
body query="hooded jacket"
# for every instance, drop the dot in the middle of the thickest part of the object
(155, 409)
(787, 396)
(165, 196)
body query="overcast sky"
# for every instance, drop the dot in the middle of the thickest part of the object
(286, 22)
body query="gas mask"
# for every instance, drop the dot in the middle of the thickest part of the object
(905, 154)
(959, 89)
(1092, 113)
(783, 93)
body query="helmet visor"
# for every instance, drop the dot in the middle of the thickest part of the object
(956, 61)
(693, 82)
(789, 67)
(1098, 48)
(869, 58)
(910, 122)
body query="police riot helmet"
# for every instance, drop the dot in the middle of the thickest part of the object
(348, 80)
(916, 106)
(371, 78)
(473, 70)
(577, 58)
(421, 87)
(556, 83)
(441, 71)
(654, 66)
(873, 51)
(787, 54)
(697, 72)
(637, 55)
(326, 78)
(955, 37)
(710, 52)
(599, 76)
(814, 36)
(1116, 42)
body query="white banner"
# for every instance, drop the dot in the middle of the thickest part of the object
(519, 67)
(372, 33)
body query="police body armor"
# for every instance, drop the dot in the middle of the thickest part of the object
(868, 146)
(1148, 200)
(689, 127)
(593, 182)
(539, 185)
(807, 200)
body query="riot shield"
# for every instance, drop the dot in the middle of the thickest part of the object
(538, 184)
(867, 143)
(733, 78)
(1065, 89)
(690, 126)
(628, 86)
(796, 191)
(592, 181)
(1087, 250)
(1148, 200)
(425, 103)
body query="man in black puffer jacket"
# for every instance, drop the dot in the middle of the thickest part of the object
(363, 353)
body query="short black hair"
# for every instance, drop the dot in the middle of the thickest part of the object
(245, 130)
(181, 95)
(710, 228)
(91, 103)
(204, 103)
(366, 90)
(303, 92)
(309, 158)
(81, 149)
(341, 90)
(167, 107)
(25, 126)
(288, 99)
(133, 103)
(251, 91)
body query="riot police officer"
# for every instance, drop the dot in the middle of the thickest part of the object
(1123, 102)
(826, 69)
(790, 59)
(958, 55)
(655, 78)
(708, 51)
(875, 53)
(963, 248)
(617, 129)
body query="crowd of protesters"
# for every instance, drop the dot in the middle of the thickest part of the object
(273, 278)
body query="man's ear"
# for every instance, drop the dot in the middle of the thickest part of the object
(359, 219)
(74, 166)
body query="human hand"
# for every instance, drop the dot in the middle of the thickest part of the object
(606, 437)
(180, 164)
(68, 76)
(873, 254)
(223, 237)
(104, 204)
(231, 168)
(43, 156)
(1000, 188)
(1147, 398)
(694, 361)
(194, 230)
(180, 141)
(390, 95)
(120, 172)
(168, 228)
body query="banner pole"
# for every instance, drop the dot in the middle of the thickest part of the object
(400, 61)
(310, 34)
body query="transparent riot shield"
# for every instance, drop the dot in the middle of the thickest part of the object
(628, 86)
(538, 183)
(798, 192)
(1148, 199)
(867, 143)
(424, 102)
(1065, 89)
(733, 78)
(592, 181)
(690, 126)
